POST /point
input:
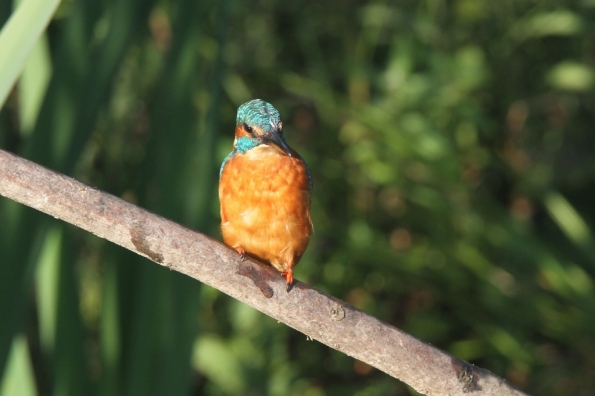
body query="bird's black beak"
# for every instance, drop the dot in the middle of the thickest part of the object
(276, 139)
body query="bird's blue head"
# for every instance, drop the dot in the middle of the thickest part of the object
(259, 123)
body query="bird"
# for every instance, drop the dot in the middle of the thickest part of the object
(265, 192)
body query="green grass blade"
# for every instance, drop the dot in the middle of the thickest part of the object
(18, 378)
(18, 37)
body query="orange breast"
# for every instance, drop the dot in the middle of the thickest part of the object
(265, 205)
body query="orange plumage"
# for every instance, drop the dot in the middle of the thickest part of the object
(264, 190)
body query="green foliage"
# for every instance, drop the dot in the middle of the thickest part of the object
(451, 149)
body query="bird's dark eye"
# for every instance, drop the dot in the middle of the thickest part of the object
(249, 129)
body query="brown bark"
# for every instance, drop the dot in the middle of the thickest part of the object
(318, 315)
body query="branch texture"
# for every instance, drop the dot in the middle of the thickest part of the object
(321, 317)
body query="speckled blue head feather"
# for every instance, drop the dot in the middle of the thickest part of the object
(258, 113)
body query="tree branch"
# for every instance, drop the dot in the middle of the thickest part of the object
(320, 316)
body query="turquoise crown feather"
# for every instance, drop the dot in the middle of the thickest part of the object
(258, 113)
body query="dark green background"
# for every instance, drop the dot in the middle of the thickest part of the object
(452, 148)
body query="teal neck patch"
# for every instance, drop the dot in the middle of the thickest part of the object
(243, 144)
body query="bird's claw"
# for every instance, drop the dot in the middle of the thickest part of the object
(288, 275)
(241, 252)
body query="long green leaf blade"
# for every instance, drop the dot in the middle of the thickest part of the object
(18, 37)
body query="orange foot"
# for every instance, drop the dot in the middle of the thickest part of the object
(241, 252)
(288, 278)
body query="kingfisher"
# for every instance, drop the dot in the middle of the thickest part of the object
(265, 192)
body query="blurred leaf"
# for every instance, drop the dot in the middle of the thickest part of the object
(568, 219)
(571, 76)
(27, 24)
(213, 357)
(18, 378)
(556, 23)
(33, 84)
(48, 284)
